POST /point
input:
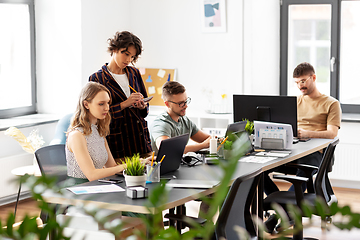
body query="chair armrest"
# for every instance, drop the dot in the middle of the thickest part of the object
(291, 178)
(297, 182)
(302, 166)
(308, 170)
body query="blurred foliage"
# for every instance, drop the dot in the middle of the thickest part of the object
(249, 128)
(29, 229)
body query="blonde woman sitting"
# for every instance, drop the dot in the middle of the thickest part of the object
(87, 152)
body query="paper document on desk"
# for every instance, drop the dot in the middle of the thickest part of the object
(280, 154)
(256, 159)
(181, 183)
(96, 189)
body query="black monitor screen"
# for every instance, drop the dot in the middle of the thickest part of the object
(278, 109)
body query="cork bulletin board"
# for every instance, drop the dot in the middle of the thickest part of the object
(154, 79)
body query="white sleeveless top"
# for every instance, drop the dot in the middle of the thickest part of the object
(97, 151)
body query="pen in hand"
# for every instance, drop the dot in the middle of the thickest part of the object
(132, 89)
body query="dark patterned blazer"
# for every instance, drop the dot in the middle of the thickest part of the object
(129, 132)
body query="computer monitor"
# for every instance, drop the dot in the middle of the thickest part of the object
(278, 109)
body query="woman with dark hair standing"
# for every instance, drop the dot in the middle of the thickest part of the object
(129, 132)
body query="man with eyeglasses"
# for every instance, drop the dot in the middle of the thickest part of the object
(173, 121)
(319, 116)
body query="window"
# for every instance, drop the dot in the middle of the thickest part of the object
(311, 31)
(350, 39)
(17, 58)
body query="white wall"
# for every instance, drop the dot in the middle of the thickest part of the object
(99, 21)
(58, 54)
(261, 47)
(172, 38)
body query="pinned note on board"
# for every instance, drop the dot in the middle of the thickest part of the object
(151, 90)
(142, 71)
(161, 73)
(154, 79)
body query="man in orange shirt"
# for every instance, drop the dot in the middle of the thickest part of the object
(319, 116)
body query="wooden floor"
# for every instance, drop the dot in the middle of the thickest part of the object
(350, 197)
(345, 196)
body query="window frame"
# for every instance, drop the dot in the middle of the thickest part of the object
(19, 111)
(334, 49)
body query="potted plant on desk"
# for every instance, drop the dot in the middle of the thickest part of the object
(134, 172)
(249, 128)
(227, 149)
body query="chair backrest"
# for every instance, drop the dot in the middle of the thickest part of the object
(321, 188)
(52, 161)
(61, 129)
(235, 210)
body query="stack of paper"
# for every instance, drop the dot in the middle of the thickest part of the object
(96, 189)
(256, 159)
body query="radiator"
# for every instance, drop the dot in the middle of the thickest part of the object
(347, 162)
(9, 187)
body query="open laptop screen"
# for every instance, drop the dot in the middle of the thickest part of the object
(173, 149)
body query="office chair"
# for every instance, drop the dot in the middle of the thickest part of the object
(235, 210)
(61, 129)
(321, 188)
(52, 161)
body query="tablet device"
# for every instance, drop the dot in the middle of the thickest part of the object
(148, 99)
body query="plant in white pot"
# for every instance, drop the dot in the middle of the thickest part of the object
(134, 172)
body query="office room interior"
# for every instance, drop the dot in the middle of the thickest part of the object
(245, 59)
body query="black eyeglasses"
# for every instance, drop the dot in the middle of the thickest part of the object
(182, 104)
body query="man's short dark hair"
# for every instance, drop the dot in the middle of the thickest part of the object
(172, 88)
(303, 69)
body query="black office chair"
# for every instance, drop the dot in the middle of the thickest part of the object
(235, 210)
(52, 161)
(321, 188)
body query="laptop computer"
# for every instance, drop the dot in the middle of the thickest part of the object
(173, 149)
(235, 127)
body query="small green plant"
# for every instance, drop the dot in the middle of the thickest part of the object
(228, 145)
(249, 128)
(134, 167)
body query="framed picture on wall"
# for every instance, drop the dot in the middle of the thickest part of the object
(213, 15)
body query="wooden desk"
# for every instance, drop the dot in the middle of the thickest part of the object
(178, 196)
(299, 150)
(119, 201)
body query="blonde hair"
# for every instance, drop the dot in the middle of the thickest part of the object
(81, 115)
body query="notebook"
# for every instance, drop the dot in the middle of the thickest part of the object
(180, 183)
(173, 149)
